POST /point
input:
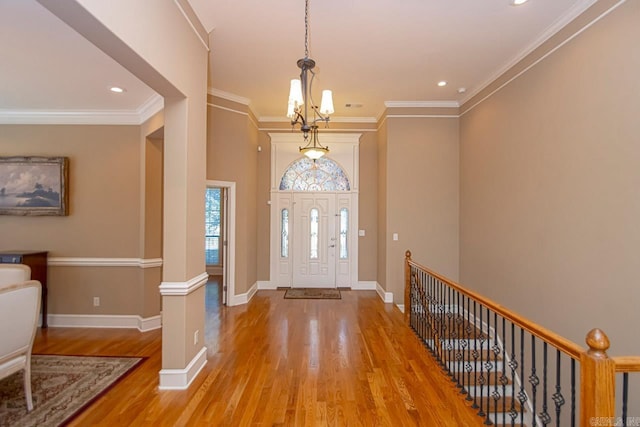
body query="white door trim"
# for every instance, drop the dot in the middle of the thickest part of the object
(229, 261)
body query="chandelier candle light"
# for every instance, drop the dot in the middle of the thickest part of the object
(300, 100)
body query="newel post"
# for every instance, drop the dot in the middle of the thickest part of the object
(407, 288)
(597, 379)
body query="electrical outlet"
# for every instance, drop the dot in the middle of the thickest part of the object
(96, 301)
(196, 337)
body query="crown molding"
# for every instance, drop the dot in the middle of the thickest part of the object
(66, 117)
(228, 96)
(579, 8)
(153, 106)
(421, 104)
(193, 21)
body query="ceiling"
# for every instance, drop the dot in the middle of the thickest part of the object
(367, 51)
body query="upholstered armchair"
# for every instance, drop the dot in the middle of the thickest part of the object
(19, 309)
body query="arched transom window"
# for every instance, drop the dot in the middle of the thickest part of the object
(322, 175)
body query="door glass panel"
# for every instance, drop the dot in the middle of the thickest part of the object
(284, 238)
(212, 226)
(344, 230)
(314, 229)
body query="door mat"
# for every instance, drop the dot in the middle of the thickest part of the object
(312, 293)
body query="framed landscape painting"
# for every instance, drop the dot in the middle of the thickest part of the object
(34, 185)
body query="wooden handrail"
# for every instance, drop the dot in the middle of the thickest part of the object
(569, 347)
(597, 369)
(627, 363)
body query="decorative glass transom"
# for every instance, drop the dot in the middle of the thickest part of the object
(322, 175)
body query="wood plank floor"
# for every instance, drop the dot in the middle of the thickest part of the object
(272, 362)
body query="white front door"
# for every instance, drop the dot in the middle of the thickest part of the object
(314, 240)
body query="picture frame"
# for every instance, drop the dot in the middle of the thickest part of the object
(34, 186)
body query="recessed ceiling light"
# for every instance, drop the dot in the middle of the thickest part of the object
(462, 89)
(518, 2)
(442, 83)
(116, 89)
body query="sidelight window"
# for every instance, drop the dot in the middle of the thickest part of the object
(284, 236)
(314, 225)
(344, 232)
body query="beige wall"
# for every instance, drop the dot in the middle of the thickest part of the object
(232, 155)
(104, 191)
(550, 183)
(382, 146)
(368, 208)
(104, 221)
(422, 196)
(263, 207)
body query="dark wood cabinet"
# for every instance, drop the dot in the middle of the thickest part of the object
(37, 261)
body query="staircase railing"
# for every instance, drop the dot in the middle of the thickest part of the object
(512, 370)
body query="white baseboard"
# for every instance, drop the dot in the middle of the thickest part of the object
(400, 307)
(243, 298)
(181, 379)
(266, 285)
(104, 321)
(365, 286)
(387, 297)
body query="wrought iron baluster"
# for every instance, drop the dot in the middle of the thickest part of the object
(522, 396)
(460, 332)
(513, 364)
(544, 415)
(451, 336)
(625, 397)
(573, 392)
(533, 378)
(475, 355)
(504, 380)
(492, 363)
(558, 399)
(421, 313)
(428, 327)
(467, 366)
(441, 323)
(481, 379)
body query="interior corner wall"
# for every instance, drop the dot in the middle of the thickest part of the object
(103, 220)
(422, 196)
(382, 205)
(550, 187)
(152, 224)
(232, 155)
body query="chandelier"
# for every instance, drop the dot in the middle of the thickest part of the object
(301, 101)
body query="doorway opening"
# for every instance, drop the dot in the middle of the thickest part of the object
(220, 241)
(215, 243)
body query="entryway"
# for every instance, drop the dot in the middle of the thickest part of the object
(314, 214)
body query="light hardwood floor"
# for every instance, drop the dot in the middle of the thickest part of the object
(279, 362)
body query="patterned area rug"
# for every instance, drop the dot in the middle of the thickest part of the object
(312, 293)
(62, 386)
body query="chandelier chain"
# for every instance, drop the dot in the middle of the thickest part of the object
(306, 28)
